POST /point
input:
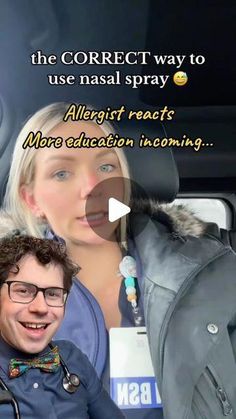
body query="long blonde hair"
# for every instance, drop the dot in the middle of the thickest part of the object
(23, 168)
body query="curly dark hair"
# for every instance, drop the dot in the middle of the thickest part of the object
(14, 247)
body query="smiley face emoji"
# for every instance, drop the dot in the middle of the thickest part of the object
(180, 78)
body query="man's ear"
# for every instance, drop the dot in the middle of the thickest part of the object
(27, 196)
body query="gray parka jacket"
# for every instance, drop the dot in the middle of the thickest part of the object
(189, 288)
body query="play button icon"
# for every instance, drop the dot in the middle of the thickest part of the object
(109, 209)
(116, 209)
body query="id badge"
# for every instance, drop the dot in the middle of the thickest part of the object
(132, 380)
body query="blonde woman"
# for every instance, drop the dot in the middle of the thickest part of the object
(46, 195)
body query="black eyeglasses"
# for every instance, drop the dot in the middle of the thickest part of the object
(24, 293)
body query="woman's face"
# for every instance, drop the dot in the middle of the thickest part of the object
(63, 187)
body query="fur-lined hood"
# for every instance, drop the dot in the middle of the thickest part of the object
(7, 225)
(178, 218)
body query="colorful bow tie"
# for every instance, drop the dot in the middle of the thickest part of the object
(49, 362)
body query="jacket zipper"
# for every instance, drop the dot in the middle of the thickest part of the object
(176, 236)
(171, 309)
(220, 393)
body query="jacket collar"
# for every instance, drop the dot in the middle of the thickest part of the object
(178, 219)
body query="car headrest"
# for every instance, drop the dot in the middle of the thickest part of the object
(154, 169)
(9, 126)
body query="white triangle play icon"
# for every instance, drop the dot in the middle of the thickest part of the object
(116, 209)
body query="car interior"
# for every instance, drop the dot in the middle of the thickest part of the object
(204, 107)
(131, 55)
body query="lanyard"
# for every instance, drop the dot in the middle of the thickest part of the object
(127, 268)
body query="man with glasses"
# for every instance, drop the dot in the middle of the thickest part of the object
(37, 377)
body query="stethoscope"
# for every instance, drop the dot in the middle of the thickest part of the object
(70, 384)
